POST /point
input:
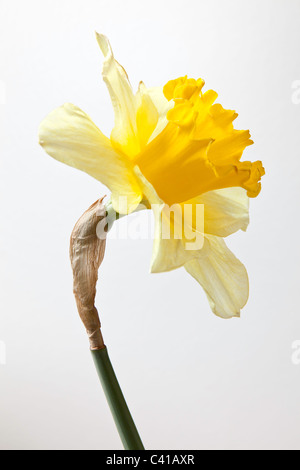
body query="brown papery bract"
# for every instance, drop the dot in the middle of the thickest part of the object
(86, 254)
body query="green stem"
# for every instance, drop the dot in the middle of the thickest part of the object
(121, 414)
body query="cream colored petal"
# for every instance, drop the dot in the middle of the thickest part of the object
(223, 277)
(70, 136)
(124, 134)
(146, 115)
(226, 211)
(160, 101)
(168, 252)
(162, 105)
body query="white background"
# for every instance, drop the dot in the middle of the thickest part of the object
(192, 380)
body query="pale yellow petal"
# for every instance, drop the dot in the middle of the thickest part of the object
(223, 277)
(146, 115)
(71, 137)
(124, 135)
(160, 101)
(226, 211)
(169, 252)
(170, 249)
(162, 105)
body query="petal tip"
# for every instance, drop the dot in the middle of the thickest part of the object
(225, 316)
(103, 44)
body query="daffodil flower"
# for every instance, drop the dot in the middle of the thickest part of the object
(170, 146)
